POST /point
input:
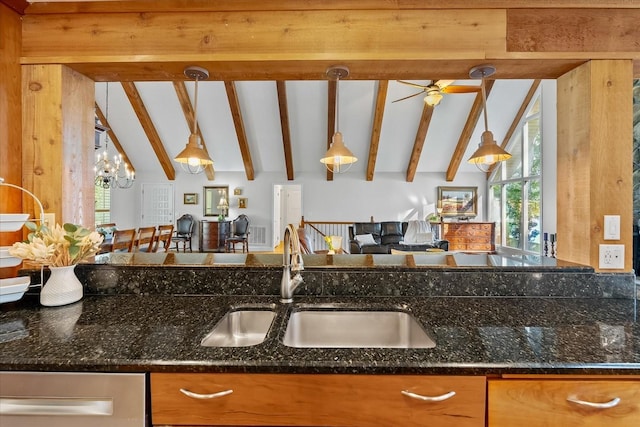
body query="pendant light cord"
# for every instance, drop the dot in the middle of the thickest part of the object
(195, 110)
(337, 102)
(106, 140)
(484, 104)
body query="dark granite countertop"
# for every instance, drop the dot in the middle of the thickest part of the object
(473, 335)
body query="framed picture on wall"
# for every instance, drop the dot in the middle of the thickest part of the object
(458, 201)
(190, 198)
(242, 202)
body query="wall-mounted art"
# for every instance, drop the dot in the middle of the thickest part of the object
(190, 198)
(242, 202)
(457, 201)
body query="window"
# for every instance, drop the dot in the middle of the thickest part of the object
(102, 205)
(515, 188)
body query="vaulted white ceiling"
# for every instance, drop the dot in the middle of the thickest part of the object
(308, 112)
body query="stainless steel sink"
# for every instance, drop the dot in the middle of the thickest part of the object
(355, 329)
(240, 328)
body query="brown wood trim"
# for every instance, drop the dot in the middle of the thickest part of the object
(149, 129)
(467, 131)
(189, 115)
(236, 113)
(114, 138)
(18, 6)
(376, 128)
(418, 143)
(281, 87)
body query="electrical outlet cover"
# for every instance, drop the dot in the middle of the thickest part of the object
(611, 256)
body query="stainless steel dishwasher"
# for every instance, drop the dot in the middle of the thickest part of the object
(56, 399)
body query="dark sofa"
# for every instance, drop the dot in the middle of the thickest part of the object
(385, 235)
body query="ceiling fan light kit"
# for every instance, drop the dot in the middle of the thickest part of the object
(193, 159)
(338, 155)
(488, 152)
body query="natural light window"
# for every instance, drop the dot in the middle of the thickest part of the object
(103, 205)
(515, 191)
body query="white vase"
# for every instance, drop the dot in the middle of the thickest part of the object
(62, 287)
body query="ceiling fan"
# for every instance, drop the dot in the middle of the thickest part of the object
(435, 89)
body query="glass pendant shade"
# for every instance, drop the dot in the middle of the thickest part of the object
(488, 152)
(433, 98)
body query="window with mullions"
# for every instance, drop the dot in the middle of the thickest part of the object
(515, 188)
(102, 205)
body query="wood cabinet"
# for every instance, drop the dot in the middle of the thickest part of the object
(470, 236)
(545, 402)
(317, 400)
(212, 234)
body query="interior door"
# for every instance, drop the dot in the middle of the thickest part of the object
(157, 204)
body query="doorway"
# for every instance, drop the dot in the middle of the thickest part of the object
(287, 209)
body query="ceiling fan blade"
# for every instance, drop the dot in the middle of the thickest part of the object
(412, 84)
(443, 83)
(461, 89)
(410, 96)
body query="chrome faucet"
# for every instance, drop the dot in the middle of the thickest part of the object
(291, 263)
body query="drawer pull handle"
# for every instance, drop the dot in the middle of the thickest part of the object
(606, 405)
(55, 406)
(429, 398)
(205, 396)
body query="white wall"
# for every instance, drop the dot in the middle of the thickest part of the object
(549, 155)
(348, 197)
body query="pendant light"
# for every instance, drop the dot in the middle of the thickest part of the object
(193, 159)
(488, 152)
(338, 154)
(109, 174)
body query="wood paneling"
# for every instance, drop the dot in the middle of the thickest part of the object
(376, 128)
(594, 179)
(573, 30)
(10, 122)
(58, 134)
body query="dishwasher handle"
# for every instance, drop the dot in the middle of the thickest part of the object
(56, 406)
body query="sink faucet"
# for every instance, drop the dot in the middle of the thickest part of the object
(291, 263)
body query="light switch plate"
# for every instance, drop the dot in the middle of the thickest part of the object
(612, 227)
(611, 256)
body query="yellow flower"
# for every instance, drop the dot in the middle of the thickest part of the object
(329, 242)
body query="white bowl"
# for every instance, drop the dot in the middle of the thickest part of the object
(7, 260)
(12, 289)
(12, 222)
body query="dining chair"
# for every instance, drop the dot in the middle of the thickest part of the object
(123, 240)
(165, 232)
(239, 234)
(145, 239)
(184, 231)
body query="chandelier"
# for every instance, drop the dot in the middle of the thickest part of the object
(112, 174)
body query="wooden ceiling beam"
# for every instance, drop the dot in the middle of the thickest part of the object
(467, 131)
(114, 138)
(236, 114)
(149, 129)
(376, 128)
(332, 89)
(418, 144)
(189, 115)
(281, 87)
(139, 6)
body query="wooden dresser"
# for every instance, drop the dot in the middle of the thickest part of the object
(470, 236)
(212, 234)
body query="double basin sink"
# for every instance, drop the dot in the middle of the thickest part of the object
(322, 326)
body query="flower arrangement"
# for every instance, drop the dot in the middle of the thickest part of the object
(329, 242)
(58, 246)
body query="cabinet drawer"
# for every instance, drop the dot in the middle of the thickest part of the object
(544, 403)
(317, 400)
